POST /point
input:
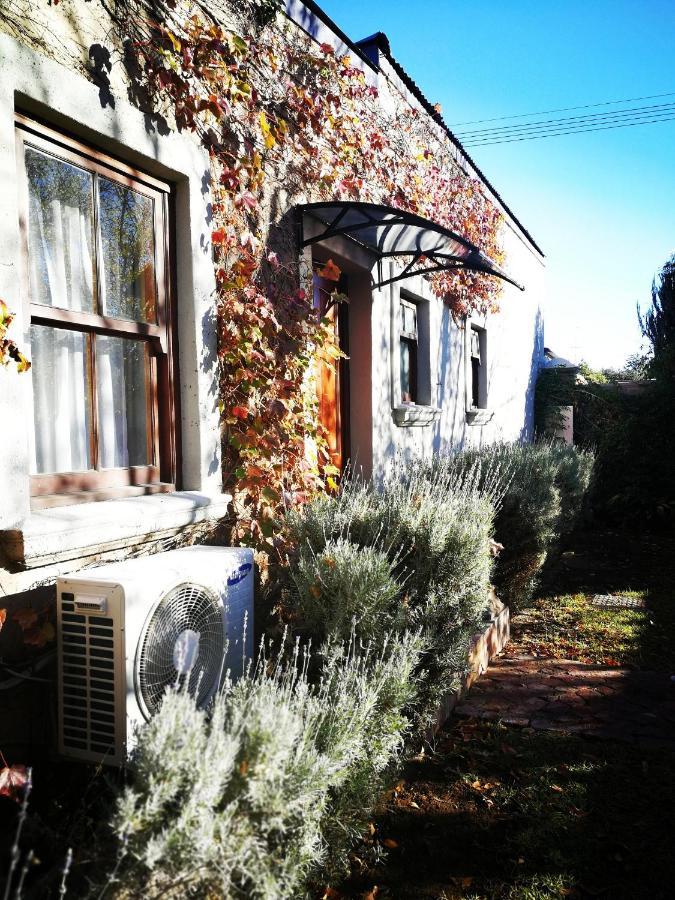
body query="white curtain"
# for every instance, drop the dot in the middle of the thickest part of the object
(61, 274)
(113, 442)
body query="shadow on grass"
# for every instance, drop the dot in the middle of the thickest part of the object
(509, 812)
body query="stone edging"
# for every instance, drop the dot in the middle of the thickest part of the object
(485, 646)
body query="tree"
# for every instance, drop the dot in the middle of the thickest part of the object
(658, 324)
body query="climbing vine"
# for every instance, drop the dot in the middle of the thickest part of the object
(286, 121)
(8, 348)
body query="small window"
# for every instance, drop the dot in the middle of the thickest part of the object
(477, 348)
(95, 237)
(408, 352)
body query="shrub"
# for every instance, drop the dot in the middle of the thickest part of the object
(538, 489)
(434, 525)
(343, 586)
(253, 798)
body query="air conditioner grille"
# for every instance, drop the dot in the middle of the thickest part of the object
(88, 693)
(187, 608)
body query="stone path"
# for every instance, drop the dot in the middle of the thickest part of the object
(563, 695)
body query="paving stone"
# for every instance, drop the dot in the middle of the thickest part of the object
(564, 695)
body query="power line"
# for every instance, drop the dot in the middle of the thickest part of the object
(552, 133)
(576, 120)
(546, 112)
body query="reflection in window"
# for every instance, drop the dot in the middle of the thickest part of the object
(60, 232)
(128, 250)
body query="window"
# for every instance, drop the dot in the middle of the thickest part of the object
(408, 351)
(477, 350)
(95, 237)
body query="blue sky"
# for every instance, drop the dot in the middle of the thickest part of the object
(601, 205)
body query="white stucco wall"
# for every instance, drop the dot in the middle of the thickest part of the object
(514, 352)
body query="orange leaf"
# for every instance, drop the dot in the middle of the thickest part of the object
(241, 412)
(391, 843)
(3, 612)
(330, 271)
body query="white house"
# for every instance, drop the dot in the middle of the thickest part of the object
(75, 488)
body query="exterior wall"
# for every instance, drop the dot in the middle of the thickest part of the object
(64, 94)
(40, 87)
(514, 335)
(514, 352)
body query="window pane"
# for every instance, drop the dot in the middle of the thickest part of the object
(60, 232)
(62, 405)
(121, 379)
(128, 265)
(406, 372)
(408, 319)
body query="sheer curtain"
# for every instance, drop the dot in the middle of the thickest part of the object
(61, 274)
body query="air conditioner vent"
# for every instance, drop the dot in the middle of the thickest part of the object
(86, 725)
(184, 640)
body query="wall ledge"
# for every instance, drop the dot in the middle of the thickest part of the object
(414, 415)
(479, 416)
(71, 532)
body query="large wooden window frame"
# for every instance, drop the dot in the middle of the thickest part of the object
(160, 475)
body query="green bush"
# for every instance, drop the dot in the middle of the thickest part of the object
(434, 526)
(343, 586)
(254, 798)
(538, 489)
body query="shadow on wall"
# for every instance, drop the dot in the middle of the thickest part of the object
(527, 429)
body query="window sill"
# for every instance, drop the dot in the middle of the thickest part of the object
(479, 416)
(414, 416)
(70, 532)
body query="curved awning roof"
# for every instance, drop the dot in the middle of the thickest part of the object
(390, 232)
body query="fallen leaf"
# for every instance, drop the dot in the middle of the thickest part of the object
(3, 617)
(390, 843)
(24, 618)
(556, 788)
(371, 894)
(12, 781)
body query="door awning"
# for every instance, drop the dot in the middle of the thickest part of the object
(388, 233)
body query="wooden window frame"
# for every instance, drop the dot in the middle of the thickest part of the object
(160, 475)
(411, 340)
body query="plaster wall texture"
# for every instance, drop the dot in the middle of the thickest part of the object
(39, 86)
(514, 342)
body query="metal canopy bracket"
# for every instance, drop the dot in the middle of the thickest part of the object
(388, 233)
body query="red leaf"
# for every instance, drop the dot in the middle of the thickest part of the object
(12, 781)
(218, 236)
(241, 412)
(25, 618)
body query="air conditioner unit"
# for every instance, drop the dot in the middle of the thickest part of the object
(128, 630)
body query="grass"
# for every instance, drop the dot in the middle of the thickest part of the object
(498, 812)
(572, 627)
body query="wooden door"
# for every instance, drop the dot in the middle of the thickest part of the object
(333, 378)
